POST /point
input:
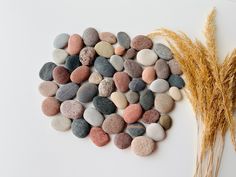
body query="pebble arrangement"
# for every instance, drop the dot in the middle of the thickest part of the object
(132, 83)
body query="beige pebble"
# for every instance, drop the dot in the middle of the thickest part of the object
(104, 49)
(119, 100)
(175, 93)
(142, 146)
(60, 123)
(107, 37)
(95, 78)
(164, 103)
(48, 88)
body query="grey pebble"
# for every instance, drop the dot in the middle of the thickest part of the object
(80, 128)
(45, 72)
(174, 67)
(133, 68)
(165, 121)
(132, 97)
(72, 62)
(106, 87)
(137, 85)
(159, 86)
(162, 69)
(117, 62)
(90, 37)
(136, 129)
(177, 81)
(104, 67)
(104, 105)
(163, 51)
(61, 40)
(67, 91)
(87, 92)
(147, 100)
(123, 39)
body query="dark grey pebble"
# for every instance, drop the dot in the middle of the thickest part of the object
(61, 41)
(163, 51)
(90, 37)
(137, 85)
(123, 39)
(104, 105)
(45, 72)
(72, 62)
(87, 92)
(147, 100)
(177, 81)
(67, 91)
(104, 67)
(80, 128)
(136, 129)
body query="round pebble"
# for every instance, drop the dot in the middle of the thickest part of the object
(104, 105)
(130, 54)
(159, 86)
(132, 97)
(165, 121)
(87, 56)
(104, 67)
(45, 72)
(123, 39)
(107, 37)
(133, 68)
(104, 49)
(117, 62)
(122, 81)
(141, 42)
(122, 140)
(155, 132)
(150, 116)
(146, 57)
(72, 62)
(48, 88)
(175, 93)
(149, 75)
(132, 113)
(61, 40)
(164, 103)
(59, 56)
(162, 69)
(176, 81)
(87, 92)
(80, 128)
(90, 37)
(113, 124)
(75, 44)
(67, 91)
(174, 67)
(137, 85)
(80, 74)
(136, 129)
(98, 136)
(106, 87)
(93, 117)
(147, 100)
(60, 123)
(72, 109)
(61, 75)
(163, 51)
(119, 50)
(142, 146)
(119, 100)
(95, 78)
(50, 106)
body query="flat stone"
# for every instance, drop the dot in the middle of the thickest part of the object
(80, 74)
(72, 109)
(90, 37)
(150, 116)
(163, 51)
(87, 56)
(48, 88)
(130, 54)
(155, 132)
(87, 92)
(61, 75)
(146, 57)
(61, 123)
(59, 56)
(50, 106)
(99, 137)
(119, 100)
(95, 78)
(164, 103)
(104, 49)
(75, 44)
(174, 67)
(104, 67)
(159, 86)
(132, 97)
(133, 68)
(122, 140)
(117, 62)
(72, 62)
(165, 121)
(67, 91)
(162, 69)
(122, 81)
(80, 128)
(113, 124)
(149, 75)
(104, 105)
(61, 40)
(142, 146)
(123, 39)
(106, 87)
(107, 37)
(141, 42)
(132, 113)
(136, 129)
(147, 100)
(176, 81)
(137, 85)
(175, 93)
(119, 50)
(93, 117)
(45, 72)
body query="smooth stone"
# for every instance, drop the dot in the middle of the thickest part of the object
(164, 103)
(142, 146)
(72, 62)
(122, 140)
(87, 56)
(50, 106)
(61, 75)
(159, 86)
(176, 81)
(119, 50)
(95, 78)
(122, 81)
(162, 69)
(80, 128)
(175, 93)
(113, 124)
(147, 100)
(45, 72)
(90, 37)
(163, 51)
(165, 121)
(133, 68)
(146, 57)
(149, 75)
(67, 91)
(150, 116)
(155, 132)
(132, 113)
(107, 37)
(87, 92)
(123, 39)
(106, 87)
(119, 100)
(48, 88)
(132, 97)
(61, 40)
(141, 42)
(93, 117)
(59, 56)
(104, 67)
(130, 54)
(117, 62)
(60, 123)
(72, 109)
(104, 49)
(80, 74)
(99, 137)
(137, 85)
(174, 67)
(136, 129)
(75, 44)
(104, 105)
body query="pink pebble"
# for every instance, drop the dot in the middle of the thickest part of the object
(75, 44)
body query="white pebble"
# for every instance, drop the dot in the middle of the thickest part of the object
(146, 57)
(60, 123)
(59, 56)
(159, 86)
(175, 93)
(93, 117)
(155, 132)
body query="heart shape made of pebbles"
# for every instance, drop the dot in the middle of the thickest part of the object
(133, 85)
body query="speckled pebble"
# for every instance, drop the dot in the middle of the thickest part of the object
(98, 136)
(150, 116)
(104, 49)
(132, 97)
(93, 117)
(174, 67)
(80, 74)
(162, 69)
(130, 54)
(59, 56)
(137, 85)
(164, 103)
(177, 81)
(141, 42)
(119, 50)
(87, 92)
(133, 68)
(87, 56)
(48, 88)
(60, 123)
(132, 113)
(165, 121)
(104, 67)
(175, 93)
(117, 62)
(106, 87)
(75, 44)
(113, 124)
(147, 100)
(67, 91)
(155, 132)
(123, 39)
(163, 51)
(80, 128)
(122, 81)
(107, 37)
(119, 100)
(61, 75)
(90, 37)
(95, 78)
(159, 86)
(142, 146)
(146, 57)
(61, 40)
(136, 129)
(72, 109)
(149, 75)
(122, 140)
(50, 106)
(45, 72)
(72, 62)
(104, 105)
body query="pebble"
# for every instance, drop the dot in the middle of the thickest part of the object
(72, 109)
(87, 56)
(98, 136)
(80, 74)
(147, 100)
(155, 132)
(104, 49)
(60, 123)
(75, 44)
(164, 103)
(119, 100)
(119, 50)
(159, 86)
(141, 42)
(137, 85)
(50, 106)
(162, 69)
(107, 37)
(90, 37)
(151, 116)
(106, 87)
(45, 72)
(165, 121)
(67, 91)
(136, 129)
(132, 113)
(123, 39)
(113, 124)
(93, 117)
(122, 81)
(117, 62)
(61, 40)
(130, 54)
(61, 75)
(104, 105)
(132, 97)
(95, 78)
(175, 93)
(87, 92)
(146, 57)
(122, 140)
(133, 68)
(80, 128)
(174, 67)
(177, 81)
(104, 67)
(59, 56)
(72, 62)
(149, 75)
(142, 146)
(163, 51)
(48, 88)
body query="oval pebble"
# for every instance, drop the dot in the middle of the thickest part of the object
(45, 72)
(87, 92)
(119, 100)
(136, 129)
(132, 97)
(175, 93)
(72, 109)
(133, 68)
(113, 124)
(117, 62)
(80, 128)
(122, 81)
(150, 116)
(123, 39)
(90, 37)
(67, 91)
(93, 117)
(165, 121)
(162, 69)
(174, 67)
(61, 123)
(106, 87)
(155, 132)
(72, 62)
(119, 50)
(137, 85)
(104, 67)
(122, 140)
(142, 146)
(149, 75)
(164, 103)
(177, 81)
(95, 78)
(80, 74)
(61, 40)
(159, 86)
(107, 37)
(130, 54)
(87, 56)
(132, 113)
(61, 75)
(98, 136)
(50, 106)
(104, 49)
(59, 56)
(146, 57)
(141, 42)
(75, 44)
(163, 51)
(147, 100)
(48, 88)
(104, 105)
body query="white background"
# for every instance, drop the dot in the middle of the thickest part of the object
(29, 147)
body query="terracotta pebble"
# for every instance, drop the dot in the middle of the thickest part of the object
(130, 54)
(149, 75)
(90, 37)
(119, 50)
(61, 75)
(48, 88)
(165, 121)
(107, 37)
(106, 87)
(155, 132)
(98, 136)
(132, 97)
(87, 56)
(142, 146)
(50, 106)
(141, 42)
(123, 140)
(119, 100)
(175, 93)
(80, 74)
(60, 123)
(113, 124)
(164, 103)
(75, 44)
(132, 113)
(122, 81)
(72, 109)
(133, 68)
(104, 49)
(162, 69)
(150, 116)
(59, 56)
(95, 78)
